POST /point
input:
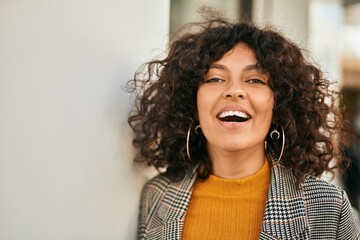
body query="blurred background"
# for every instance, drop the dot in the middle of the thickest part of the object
(65, 146)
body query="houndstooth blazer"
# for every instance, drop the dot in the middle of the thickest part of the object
(317, 210)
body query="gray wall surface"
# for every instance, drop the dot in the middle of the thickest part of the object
(65, 147)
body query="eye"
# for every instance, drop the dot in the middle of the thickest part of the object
(255, 80)
(214, 80)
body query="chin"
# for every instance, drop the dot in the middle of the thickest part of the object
(233, 147)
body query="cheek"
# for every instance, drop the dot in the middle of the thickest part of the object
(265, 105)
(269, 110)
(269, 104)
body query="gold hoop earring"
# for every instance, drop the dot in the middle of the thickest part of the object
(187, 142)
(282, 145)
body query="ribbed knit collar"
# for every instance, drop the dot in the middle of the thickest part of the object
(232, 187)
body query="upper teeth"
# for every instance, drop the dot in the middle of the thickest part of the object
(234, 113)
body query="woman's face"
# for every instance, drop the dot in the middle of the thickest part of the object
(235, 103)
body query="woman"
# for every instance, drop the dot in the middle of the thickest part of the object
(240, 125)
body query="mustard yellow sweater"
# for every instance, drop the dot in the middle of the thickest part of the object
(227, 209)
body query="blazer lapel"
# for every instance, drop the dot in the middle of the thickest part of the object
(171, 214)
(285, 211)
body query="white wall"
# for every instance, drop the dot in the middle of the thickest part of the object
(326, 18)
(65, 147)
(290, 16)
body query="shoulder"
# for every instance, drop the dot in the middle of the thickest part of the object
(155, 187)
(152, 195)
(317, 188)
(328, 207)
(324, 200)
(163, 189)
(312, 187)
(159, 194)
(315, 192)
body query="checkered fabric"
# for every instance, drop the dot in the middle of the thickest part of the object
(316, 210)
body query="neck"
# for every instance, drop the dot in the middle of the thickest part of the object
(236, 165)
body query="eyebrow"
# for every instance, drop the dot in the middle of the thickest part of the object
(257, 67)
(218, 66)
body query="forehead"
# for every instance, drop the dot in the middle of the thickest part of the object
(241, 53)
(240, 56)
(241, 48)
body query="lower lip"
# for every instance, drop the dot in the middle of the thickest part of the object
(232, 125)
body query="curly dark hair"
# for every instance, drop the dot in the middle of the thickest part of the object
(306, 105)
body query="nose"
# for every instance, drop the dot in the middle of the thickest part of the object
(235, 90)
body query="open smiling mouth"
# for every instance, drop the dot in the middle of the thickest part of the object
(233, 116)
